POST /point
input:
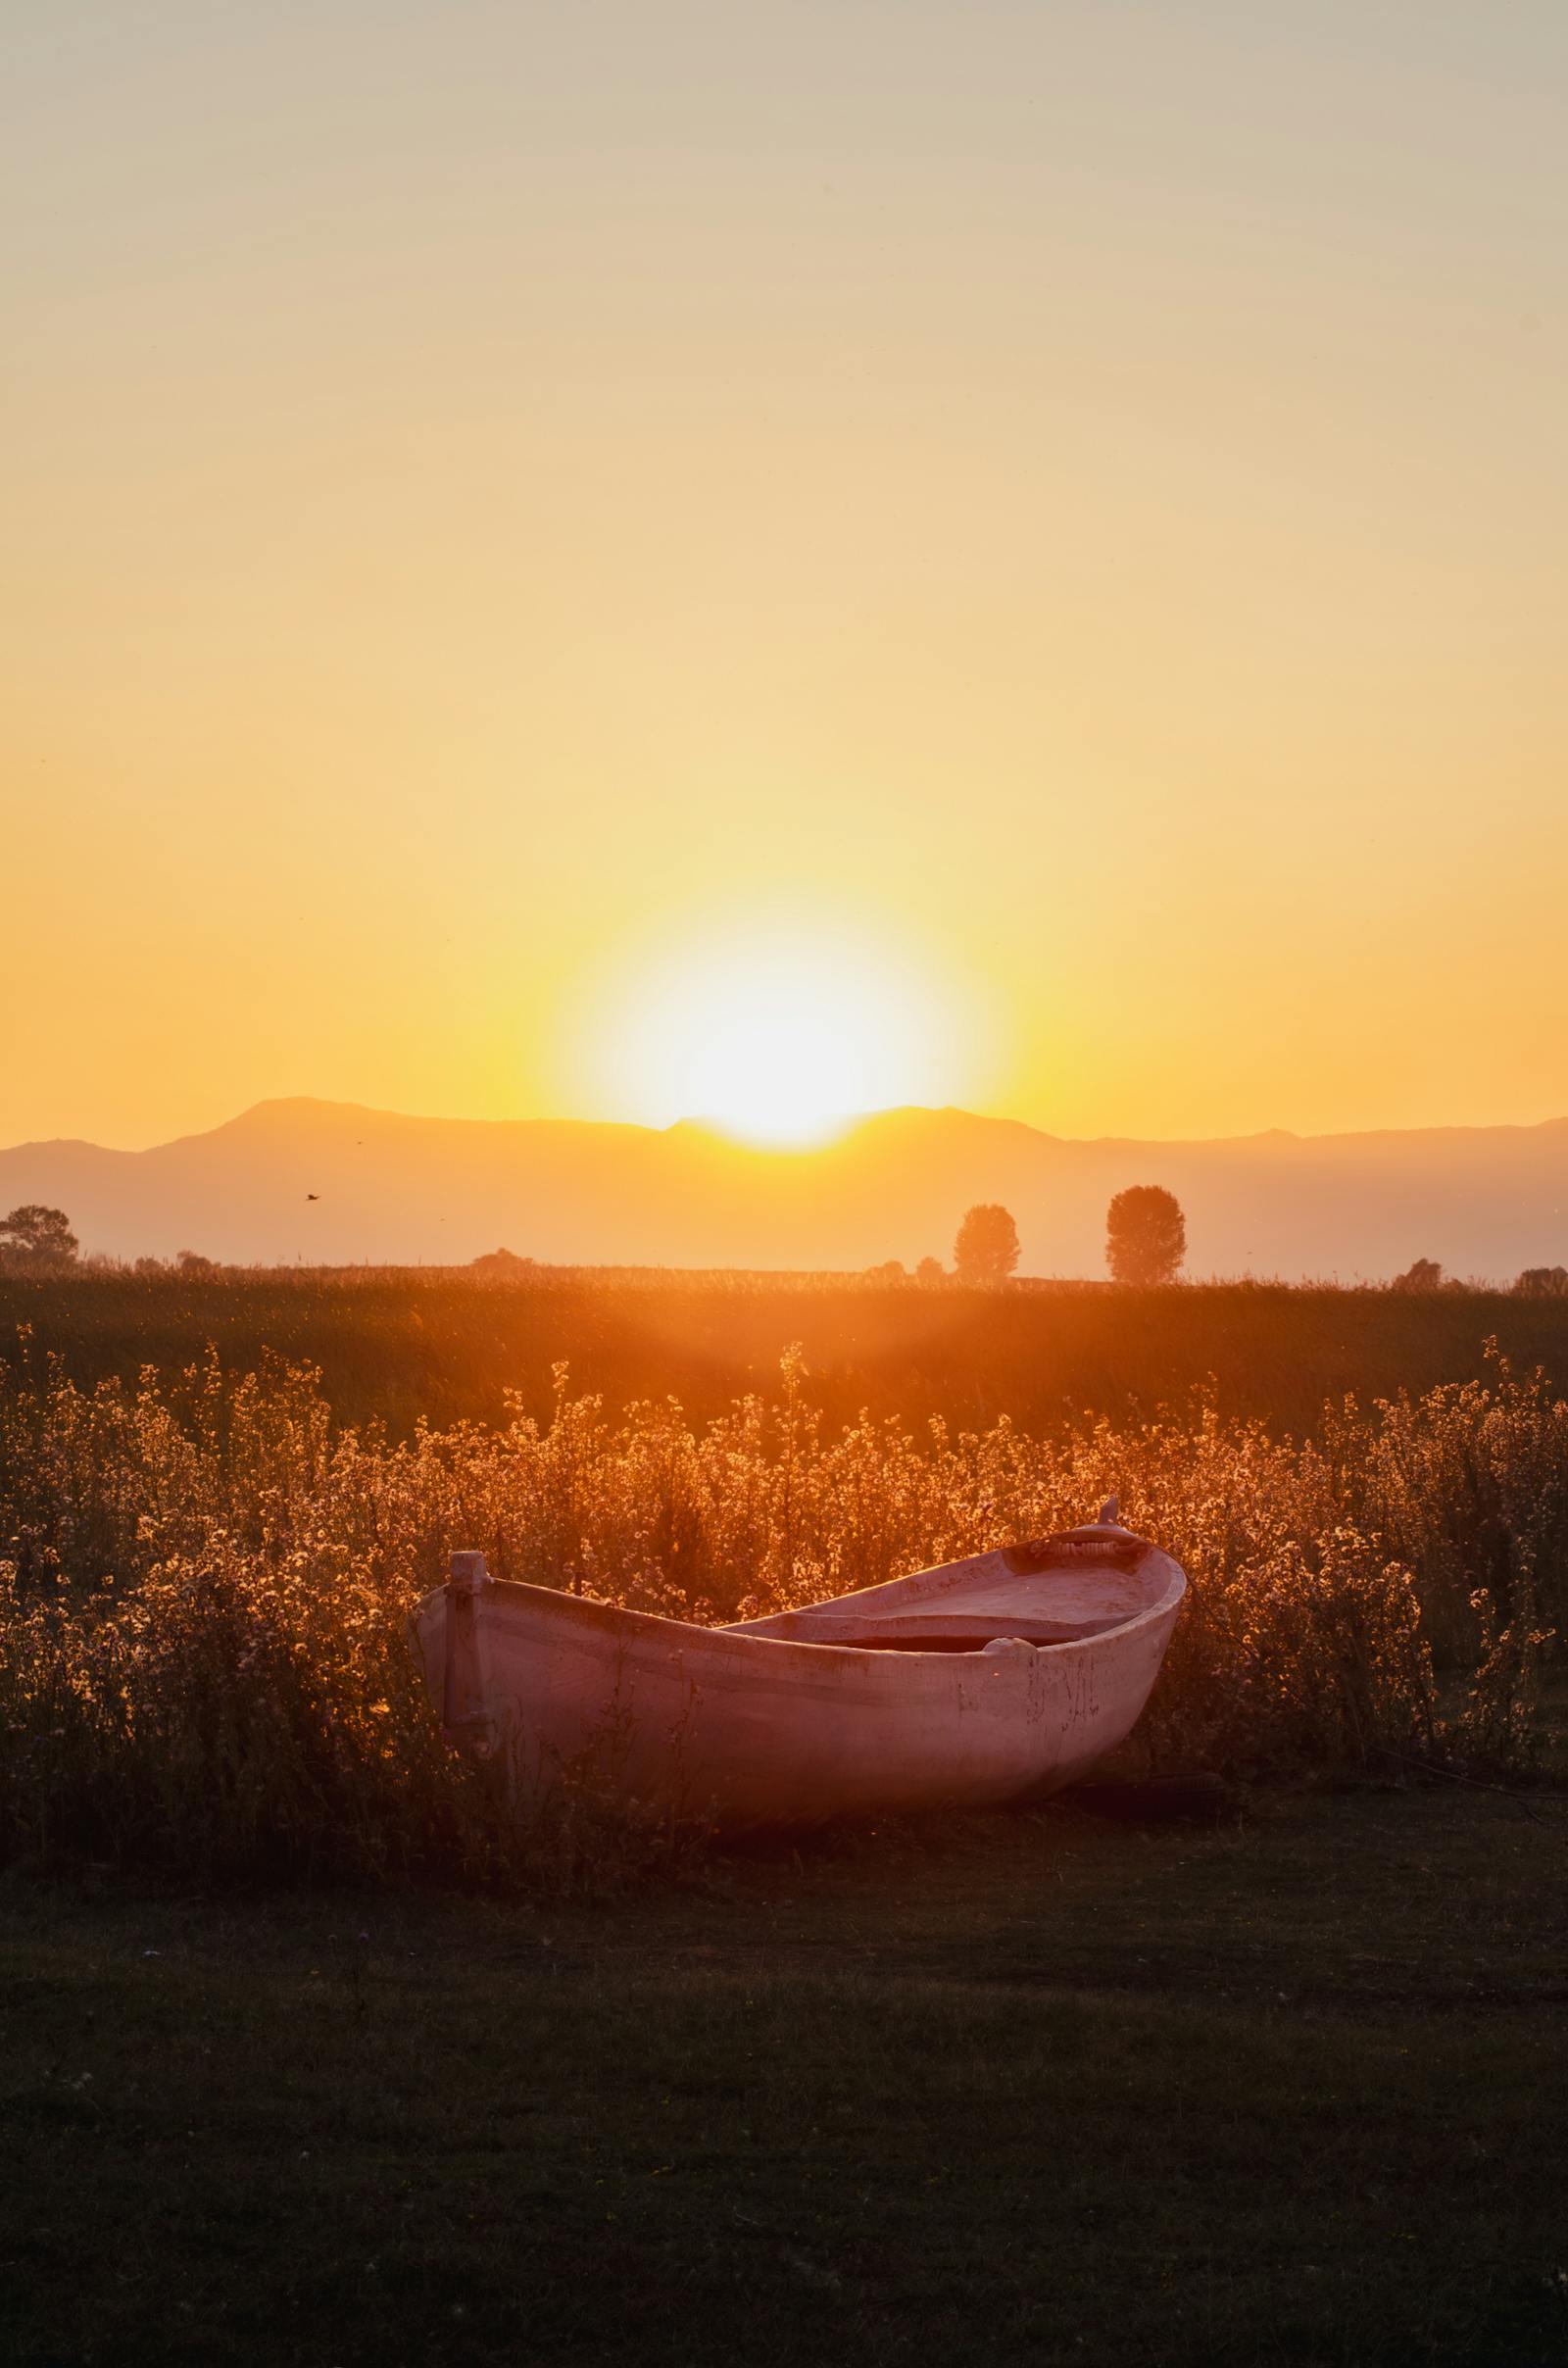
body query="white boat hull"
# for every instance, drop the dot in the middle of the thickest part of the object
(760, 1725)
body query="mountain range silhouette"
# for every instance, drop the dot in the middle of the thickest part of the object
(334, 1183)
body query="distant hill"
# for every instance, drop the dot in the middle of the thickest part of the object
(1482, 1200)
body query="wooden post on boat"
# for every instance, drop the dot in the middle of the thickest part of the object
(464, 1712)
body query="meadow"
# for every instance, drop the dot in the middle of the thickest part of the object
(328, 2055)
(442, 1346)
(207, 1570)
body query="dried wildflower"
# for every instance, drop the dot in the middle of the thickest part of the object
(243, 1691)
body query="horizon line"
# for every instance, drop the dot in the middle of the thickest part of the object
(782, 1149)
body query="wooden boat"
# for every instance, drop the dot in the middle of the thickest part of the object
(984, 1681)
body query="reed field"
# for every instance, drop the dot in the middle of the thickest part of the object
(439, 1346)
(207, 1569)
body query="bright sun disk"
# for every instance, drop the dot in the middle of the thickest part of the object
(778, 1040)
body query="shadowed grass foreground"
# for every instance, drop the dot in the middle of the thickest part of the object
(1031, 2087)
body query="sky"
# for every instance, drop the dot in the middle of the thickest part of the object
(1030, 534)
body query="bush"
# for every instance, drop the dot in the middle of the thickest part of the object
(204, 1657)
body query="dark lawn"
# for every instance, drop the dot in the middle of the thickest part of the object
(1031, 2087)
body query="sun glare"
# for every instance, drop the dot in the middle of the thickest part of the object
(779, 1039)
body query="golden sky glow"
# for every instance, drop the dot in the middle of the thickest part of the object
(777, 1027)
(1060, 513)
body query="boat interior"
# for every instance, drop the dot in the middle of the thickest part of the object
(1088, 1582)
(951, 1632)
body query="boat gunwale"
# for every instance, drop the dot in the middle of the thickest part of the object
(589, 1621)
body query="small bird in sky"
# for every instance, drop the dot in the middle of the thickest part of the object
(312, 1196)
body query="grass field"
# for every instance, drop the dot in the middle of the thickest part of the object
(1035, 2088)
(1284, 2085)
(408, 1347)
(205, 1582)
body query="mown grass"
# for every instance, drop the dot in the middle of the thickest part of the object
(1033, 2088)
(407, 1346)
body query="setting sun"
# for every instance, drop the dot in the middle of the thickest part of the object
(778, 1037)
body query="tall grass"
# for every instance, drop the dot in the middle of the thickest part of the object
(442, 1346)
(204, 1584)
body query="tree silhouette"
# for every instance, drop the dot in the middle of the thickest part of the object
(930, 1271)
(985, 1250)
(1145, 1235)
(501, 1267)
(1424, 1275)
(1543, 1282)
(36, 1238)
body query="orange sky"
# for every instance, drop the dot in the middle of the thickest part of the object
(1059, 515)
